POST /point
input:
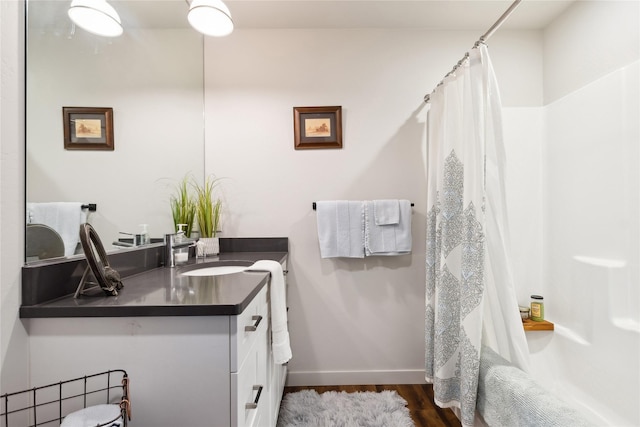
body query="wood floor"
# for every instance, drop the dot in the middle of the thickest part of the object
(419, 399)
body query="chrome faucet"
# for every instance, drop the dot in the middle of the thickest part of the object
(170, 246)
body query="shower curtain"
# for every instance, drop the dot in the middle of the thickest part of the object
(470, 299)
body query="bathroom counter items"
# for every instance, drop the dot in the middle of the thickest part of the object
(156, 290)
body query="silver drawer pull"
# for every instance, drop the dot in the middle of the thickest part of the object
(254, 404)
(252, 328)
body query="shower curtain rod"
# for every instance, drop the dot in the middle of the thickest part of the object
(482, 39)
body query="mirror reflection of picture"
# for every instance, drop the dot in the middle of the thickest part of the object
(88, 128)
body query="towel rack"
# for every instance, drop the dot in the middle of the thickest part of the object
(314, 205)
(91, 206)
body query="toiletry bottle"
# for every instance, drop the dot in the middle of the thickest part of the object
(537, 308)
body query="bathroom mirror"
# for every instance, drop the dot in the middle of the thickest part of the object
(151, 77)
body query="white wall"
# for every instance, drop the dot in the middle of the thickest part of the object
(591, 187)
(352, 321)
(13, 337)
(588, 41)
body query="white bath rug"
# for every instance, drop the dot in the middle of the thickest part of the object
(307, 408)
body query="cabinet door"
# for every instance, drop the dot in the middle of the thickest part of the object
(244, 331)
(249, 384)
(263, 411)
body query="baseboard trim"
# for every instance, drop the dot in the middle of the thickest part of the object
(320, 378)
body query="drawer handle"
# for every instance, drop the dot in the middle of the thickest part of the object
(254, 404)
(253, 327)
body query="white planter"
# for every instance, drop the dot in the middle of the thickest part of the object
(210, 246)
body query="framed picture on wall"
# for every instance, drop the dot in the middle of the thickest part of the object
(317, 127)
(88, 128)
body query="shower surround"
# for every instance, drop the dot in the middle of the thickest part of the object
(590, 270)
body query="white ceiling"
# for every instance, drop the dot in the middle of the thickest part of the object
(426, 14)
(430, 14)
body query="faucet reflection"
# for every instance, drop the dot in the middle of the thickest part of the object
(172, 244)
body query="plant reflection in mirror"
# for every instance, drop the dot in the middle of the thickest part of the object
(183, 206)
(208, 207)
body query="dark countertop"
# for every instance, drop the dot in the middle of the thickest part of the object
(164, 291)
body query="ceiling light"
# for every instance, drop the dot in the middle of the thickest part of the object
(210, 17)
(95, 16)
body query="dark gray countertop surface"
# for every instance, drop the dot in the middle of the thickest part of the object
(164, 291)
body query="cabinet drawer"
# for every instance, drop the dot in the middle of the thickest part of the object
(246, 327)
(250, 397)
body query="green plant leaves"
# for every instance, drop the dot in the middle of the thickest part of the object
(183, 206)
(208, 208)
(195, 201)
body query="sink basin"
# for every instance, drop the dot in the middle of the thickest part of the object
(215, 271)
(216, 268)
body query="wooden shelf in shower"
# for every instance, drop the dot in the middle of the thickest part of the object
(531, 325)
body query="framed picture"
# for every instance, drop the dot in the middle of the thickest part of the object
(88, 128)
(317, 127)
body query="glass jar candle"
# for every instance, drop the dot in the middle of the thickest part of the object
(537, 308)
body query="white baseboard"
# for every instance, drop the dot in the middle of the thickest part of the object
(354, 377)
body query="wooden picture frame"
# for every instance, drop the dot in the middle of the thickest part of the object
(317, 127)
(88, 128)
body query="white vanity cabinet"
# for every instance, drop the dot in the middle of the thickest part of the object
(257, 383)
(187, 371)
(249, 349)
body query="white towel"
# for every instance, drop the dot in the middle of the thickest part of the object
(93, 416)
(386, 212)
(340, 228)
(64, 217)
(279, 328)
(394, 239)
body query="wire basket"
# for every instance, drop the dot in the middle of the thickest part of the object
(50, 404)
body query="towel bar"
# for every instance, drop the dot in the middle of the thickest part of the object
(91, 206)
(314, 205)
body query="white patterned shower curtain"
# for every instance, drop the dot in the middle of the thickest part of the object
(470, 299)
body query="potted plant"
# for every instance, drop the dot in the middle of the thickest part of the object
(183, 206)
(208, 210)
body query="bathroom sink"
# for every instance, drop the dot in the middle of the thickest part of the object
(216, 268)
(215, 271)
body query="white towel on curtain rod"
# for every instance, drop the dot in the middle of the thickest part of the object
(470, 298)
